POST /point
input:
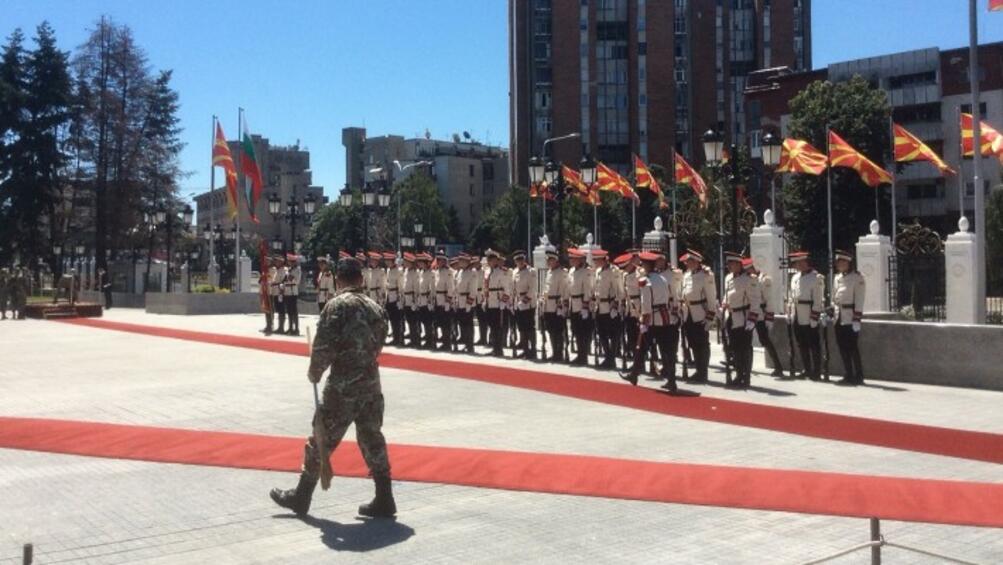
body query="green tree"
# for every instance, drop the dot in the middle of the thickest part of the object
(994, 243)
(859, 113)
(13, 117)
(504, 226)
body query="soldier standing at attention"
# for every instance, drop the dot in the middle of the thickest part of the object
(409, 288)
(291, 287)
(607, 290)
(656, 324)
(632, 304)
(498, 297)
(481, 310)
(741, 310)
(276, 288)
(848, 288)
(377, 281)
(466, 300)
(580, 291)
(393, 305)
(19, 294)
(350, 336)
(524, 284)
(699, 303)
(554, 303)
(806, 304)
(445, 294)
(765, 323)
(325, 282)
(5, 285)
(426, 300)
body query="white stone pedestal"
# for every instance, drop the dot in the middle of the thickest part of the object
(766, 244)
(185, 275)
(244, 264)
(962, 294)
(588, 247)
(873, 252)
(214, 274)
(540, 262)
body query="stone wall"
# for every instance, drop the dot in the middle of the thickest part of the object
(918, 352)
(118, 299)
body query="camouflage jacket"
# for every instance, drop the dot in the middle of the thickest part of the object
(350, 336)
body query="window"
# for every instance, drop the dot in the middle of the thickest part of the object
(680, 24)
(924, 191)
(913, 79)
(541, 49)
(542, 99)
(472, 193)
(967, 109)
(680, 74)
(642, 48)
(619, 52)
(471, 167)
(970, 188)
(642, 100)
(487, 171)
(543, 75)
(611, 31)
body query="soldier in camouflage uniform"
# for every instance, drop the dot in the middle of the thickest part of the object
(350, 336)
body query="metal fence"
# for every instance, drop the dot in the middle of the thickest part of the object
(917, 286)
(994, 310)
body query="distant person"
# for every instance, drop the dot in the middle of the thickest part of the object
(350, 336)
(104, 283)
(5, 286)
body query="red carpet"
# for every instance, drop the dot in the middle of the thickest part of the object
(893, 498)
(978, 446)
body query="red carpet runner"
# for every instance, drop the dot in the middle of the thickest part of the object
(964, 444)
(893, 498)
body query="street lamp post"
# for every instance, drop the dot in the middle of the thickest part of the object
(296, 210)
(587, 168)
(540, 169)
(401, 169)
(713, 147)
(772, 148)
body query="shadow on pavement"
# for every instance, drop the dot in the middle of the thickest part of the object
(755, 388)
(361, 536)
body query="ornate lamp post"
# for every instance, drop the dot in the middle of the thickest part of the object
(772, 149)
(713, 148)
(293, 213)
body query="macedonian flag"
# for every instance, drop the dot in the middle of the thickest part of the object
(842, 154)
(685, 174)
(992, 142)
(221, 157)
(798, 156)
(995, 5)
(909, 148)
(644, 179)
(609, 180)
(581, 190)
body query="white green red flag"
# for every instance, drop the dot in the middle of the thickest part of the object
(252, 173)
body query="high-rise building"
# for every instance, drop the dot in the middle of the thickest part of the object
(469, 175)
(641, 76)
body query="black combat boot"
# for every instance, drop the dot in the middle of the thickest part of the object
(297, 499)
(383, 505)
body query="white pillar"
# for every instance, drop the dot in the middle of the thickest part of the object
(214, 274)
(873, 252)
(766, 246)
(588, 247)
(244, 264)
(540, 262)
(962, 290)
(185, 274)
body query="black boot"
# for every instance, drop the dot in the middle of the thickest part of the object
(297, 499)
(383, 505)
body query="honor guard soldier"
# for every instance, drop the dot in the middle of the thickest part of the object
(555, 306)
(444, 297)
(698, 301)
(291, 293)
(276, 289)
(848, 288)
(765, 323)
(657, 324)
(497, 296)
(524, 284)
(426, 300)
(479, 311)
(466, 300)
(805, 309)
(324, 283)
(395, 276)
(630, 264)
(580, 291)
(741, 311)
(409, 293)
(376, 283)
(607, 294)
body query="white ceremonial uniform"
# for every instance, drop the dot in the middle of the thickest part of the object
(524, 288)
(556, 291)
(325, 287)
(376, 285)
(807, 297)
(741, 299)
(394, 281)
(699, 295)
(445, 288)
(848, 297)
(607, 290)
(580, 291)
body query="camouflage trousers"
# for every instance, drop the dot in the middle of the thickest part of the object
(339, 411)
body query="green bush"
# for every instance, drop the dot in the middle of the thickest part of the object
(208, 289)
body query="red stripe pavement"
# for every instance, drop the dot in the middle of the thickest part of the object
(836, 494)
(965, 444)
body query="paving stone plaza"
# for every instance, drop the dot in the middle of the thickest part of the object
(99, 510)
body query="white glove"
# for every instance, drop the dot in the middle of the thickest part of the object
(644, 328)
(585, 314)
(614, 314)
(750, 325)
(856, 327)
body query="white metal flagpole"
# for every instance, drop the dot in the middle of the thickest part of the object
(236, 257)
(828, 200)
(212, 198)
(980, 194)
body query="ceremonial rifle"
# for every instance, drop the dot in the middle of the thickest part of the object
(825, 341)
(319, 433)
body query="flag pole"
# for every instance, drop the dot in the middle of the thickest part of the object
(961, 168)
(595, 222)
(828, 200)
(877, 189)
(675, 187)
(980, 195)
(212, 198)
(633, 222)
(236, 256)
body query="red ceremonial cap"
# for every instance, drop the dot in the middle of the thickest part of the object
(389, 256)
(747, 263)
(409, 257)
(622, 259)
(343, 254)
(599, 253)
(650, 256)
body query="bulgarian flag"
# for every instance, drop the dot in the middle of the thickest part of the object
(221, 157)
(252, 173)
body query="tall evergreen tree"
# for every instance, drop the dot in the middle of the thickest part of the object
(12, 118)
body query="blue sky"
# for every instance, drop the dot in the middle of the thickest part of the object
(305, 69)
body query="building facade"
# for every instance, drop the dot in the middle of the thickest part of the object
(469, 175)
(285, 172)
(640, 76)
(927, 90)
